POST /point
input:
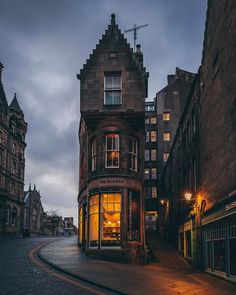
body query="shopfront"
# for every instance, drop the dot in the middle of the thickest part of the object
(219, 241)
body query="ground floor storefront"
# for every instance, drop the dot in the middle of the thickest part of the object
(111, 217)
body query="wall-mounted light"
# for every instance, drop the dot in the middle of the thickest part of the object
(187, 196)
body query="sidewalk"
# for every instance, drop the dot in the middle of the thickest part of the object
(155, 278)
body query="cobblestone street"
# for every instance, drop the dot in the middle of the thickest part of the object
(20, 275)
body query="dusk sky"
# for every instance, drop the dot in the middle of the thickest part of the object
(44, 44)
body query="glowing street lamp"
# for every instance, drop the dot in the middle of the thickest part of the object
(187, 196)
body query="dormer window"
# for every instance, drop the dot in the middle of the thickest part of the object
(112, 88)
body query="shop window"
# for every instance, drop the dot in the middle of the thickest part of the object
(166, 136)
(112, 151)
(93, 220)
(110, 219)
(153, 136)
(153, 155)
(133, 154)
(166, 116)
(219, 255)
(94, 154)
(112, 89)
(188, 243)
(232, 253)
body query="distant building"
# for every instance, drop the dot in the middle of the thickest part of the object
(53, 224)
(111, 186)
(13, 129)
(150, 167)
(33, 212)
(69, 228)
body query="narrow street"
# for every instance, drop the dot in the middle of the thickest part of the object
(22, 272)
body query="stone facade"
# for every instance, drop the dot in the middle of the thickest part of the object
(12, 146)
(112, 98)
(202, 160)
(33, 213)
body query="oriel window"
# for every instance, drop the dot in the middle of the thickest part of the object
(133, 154)
(112, 151)
(112, 89)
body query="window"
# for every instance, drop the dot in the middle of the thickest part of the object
(146, 155)
(94, 155)
(13, 216)
(7, 215)
(166, 116)
(133, 154)
(166, 136)
(146, 173)
(1, 137)
(147, 121)
(153, 120)
(153, 136)
(154, 173)
(147, 136)
(153, 155)
(112, 89)
(154, 192)
(13, 168)
(13, 148)
(165, 157)
(112, 151)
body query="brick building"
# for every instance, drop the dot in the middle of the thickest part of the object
(113, 88)
(202, 160)
(12, 146)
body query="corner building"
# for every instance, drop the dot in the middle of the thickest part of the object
(113, 88)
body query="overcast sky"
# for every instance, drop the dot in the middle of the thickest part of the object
(44, 44)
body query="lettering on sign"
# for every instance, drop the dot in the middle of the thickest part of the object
(230, 206)
(111, 181)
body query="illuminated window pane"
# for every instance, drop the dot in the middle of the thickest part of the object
(166, 136)
(153, 120)
(153, 155)
(154, 192)
(166, 116)
(112, 151)
(153, 136)
(165, 157)
(146, 173)
(154, 173)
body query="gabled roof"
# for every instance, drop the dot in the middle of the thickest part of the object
(14, 105)
(3, 99)
(112, 32)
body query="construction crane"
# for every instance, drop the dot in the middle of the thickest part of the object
(134, 29)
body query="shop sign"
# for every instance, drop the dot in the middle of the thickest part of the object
(230, 206)
(111, 181)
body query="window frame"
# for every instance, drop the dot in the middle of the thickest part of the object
(112, 150)
(166, 116)
(93, 154)
(166, 136)
(112, 89)
(133, 154)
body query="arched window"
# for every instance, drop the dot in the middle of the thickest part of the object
(13, 216)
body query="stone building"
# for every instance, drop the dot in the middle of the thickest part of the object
(150, 167)
(113, 88)
(33, 212)
(12, 162)
(205, 157)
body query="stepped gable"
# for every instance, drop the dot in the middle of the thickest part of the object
(112, 33)
(3, 99)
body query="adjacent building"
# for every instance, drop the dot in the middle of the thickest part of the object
(13, 129)
(150, 167)
(200, 174)
(33, 213)
(113, 88)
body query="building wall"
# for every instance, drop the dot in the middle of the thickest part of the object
(12, 145)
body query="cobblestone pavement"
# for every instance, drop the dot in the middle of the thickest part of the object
(19, 275)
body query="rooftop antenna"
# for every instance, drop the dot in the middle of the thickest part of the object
(134, 29)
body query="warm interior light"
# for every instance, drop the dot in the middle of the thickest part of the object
(188, 196)
(162, 201)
